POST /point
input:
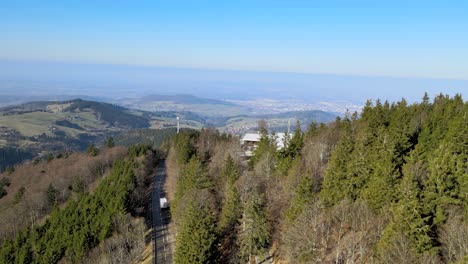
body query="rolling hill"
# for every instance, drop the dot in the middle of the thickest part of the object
(225, 115)
(41, 128)
(74, 123)
(46, 127)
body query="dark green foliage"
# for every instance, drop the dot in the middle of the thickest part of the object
(231, 210)
(411, 159)
(193, 176)
(183, 145)
(78, 185)
(110, 142)
(84, 223)
(409, 216)
(51, 195)
(297, 142)
(138, 150)
(230, 171)
(385, 189)
(291, 149)
(11, 156)
(192, 179)
(66, 123)
(254, 236)
(302, 196)
(336, 182)
(266, 146)
(195, 207)
(312, 130)
(197, 236)
(147, 136)
(112, 114)
(92, 150)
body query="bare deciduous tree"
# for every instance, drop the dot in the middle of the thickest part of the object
(453, 236)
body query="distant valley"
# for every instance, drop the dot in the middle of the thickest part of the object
(234, 117)
(186, 103)
(38, 129)
(41, 128)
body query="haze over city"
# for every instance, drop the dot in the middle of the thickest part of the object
(243, 50)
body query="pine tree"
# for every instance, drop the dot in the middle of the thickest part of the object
(379, 190)
(230, 171)
(358, 169)
(303, 195)
(110, 142)
(409, 216)
(184, 148)
(425, 98)
(311, 131)
(195, 176)
(441, 187)
(51, 195)
(231, 210)
(255, 230)
(336, 180)
(92, 150)
(291, 149)
(192, 178)
(197, 238)
(297, 141)
(266, 146)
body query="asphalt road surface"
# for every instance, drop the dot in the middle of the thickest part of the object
(161, 218)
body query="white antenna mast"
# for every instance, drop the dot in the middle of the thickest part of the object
(178, 125)
(289, 125)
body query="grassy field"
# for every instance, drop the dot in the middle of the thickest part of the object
(30, 124)
(37, 123)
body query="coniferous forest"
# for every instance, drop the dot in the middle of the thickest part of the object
(95, 224)
(388, 185)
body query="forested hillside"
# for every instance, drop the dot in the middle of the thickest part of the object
(39, 129)
(82, 208)
(389, 185)
(10, 156)
(152, 137)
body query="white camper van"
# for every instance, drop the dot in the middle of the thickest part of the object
(163, 203)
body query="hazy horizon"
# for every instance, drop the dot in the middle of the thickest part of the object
(247, 50)
(40, 78)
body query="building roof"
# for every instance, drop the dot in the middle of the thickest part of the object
(255, 137)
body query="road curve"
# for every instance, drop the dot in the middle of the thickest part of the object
(162, 240)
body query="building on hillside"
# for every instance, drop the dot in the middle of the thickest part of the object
(249, 142)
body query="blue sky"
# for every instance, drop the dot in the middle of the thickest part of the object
(426, 39)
